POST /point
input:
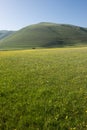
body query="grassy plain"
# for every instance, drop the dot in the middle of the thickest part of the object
(43, 89)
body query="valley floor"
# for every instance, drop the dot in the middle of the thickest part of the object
(43, 89)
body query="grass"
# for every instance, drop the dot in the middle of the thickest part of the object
(43, 89)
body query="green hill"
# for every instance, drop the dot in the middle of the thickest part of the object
(45, 35)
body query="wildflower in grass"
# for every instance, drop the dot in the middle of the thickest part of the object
(56, 117)
(73, 128)
(47, 81)
(66, 117)
(50, 101)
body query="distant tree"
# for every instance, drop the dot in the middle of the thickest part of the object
(33, 48)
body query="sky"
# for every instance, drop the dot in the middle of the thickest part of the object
(16, 14)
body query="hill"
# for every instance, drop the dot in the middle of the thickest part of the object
(45, 35)
(5, 33)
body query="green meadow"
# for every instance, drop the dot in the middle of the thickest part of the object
(43, 89)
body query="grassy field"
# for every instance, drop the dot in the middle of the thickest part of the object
(43, 89)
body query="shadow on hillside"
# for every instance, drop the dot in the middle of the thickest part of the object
(59, 43)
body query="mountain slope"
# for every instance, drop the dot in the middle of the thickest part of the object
(5, 33)
(45, 35)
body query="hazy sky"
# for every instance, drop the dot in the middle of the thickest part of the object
(15, 14)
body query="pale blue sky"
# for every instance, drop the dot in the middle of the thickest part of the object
(15, 14)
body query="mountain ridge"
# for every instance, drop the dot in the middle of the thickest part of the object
(5, 33)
